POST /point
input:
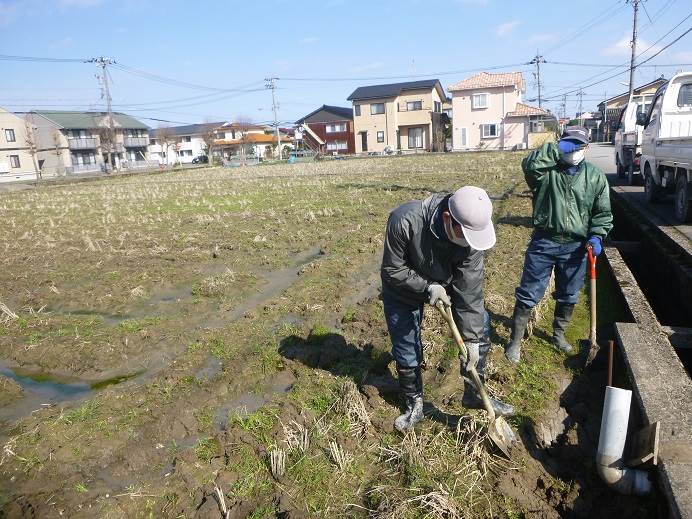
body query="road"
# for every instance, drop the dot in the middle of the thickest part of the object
(661, 214)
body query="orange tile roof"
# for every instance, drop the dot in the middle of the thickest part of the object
(523, 110)
(255, 138)
(489, 80)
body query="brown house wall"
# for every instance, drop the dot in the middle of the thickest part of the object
(321, 130)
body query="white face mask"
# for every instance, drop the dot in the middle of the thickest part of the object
(574, 158)
(452, 237)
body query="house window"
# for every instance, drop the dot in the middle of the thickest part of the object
(414, 105)
(336, 127)
(337, 145)
(380, 136)
(14, 161)
(9, 135)
(152, 142)
(537, 126)
(415, 138)
(438, 107)
(488, 131)
(356, 109)
(376, 108)
(187, 139)
(480, 100)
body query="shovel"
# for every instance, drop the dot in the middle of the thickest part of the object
(499, 431)
(593, 345)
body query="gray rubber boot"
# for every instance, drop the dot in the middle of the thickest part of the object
(411, 387)
(472, 400)
(520, 320)
(563, 315)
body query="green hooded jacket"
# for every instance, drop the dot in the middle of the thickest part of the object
(568, 207)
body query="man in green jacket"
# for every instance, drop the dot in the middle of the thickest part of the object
(571, 211)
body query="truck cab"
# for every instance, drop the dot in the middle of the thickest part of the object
(628, 138)
(666, 159)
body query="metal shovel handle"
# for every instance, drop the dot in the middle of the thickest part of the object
(447, 314)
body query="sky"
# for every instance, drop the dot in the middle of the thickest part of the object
(187, 62)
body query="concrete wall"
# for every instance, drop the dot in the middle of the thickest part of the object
(502, 100)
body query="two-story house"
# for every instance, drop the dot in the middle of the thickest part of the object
(181, 144)
(488, 113)
(248, 139)
(17, 162)
(78, 142)
(328, 130)
(399, 116)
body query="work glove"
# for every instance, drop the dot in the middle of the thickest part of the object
(473, 349)
(595, 244)
(568, 146)
(437, 293)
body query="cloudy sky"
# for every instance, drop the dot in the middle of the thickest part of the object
(189, 62)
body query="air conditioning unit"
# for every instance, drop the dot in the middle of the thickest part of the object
(520, 146)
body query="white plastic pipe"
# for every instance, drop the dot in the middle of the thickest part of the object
(611, 444)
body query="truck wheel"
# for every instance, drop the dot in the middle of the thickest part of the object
(619, 166)
(683, 200)
(651, 190)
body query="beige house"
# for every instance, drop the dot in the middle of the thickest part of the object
(16, 160)
(488, 113)
(400, 116)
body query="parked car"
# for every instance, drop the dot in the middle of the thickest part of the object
(667, 145)
(628, 138)
(201, 159)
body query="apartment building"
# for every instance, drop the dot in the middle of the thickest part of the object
(328, 130)
(488, 113)
(399, 116)
(79, 142)
(16, 159)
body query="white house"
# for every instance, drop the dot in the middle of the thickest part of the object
(183, 143)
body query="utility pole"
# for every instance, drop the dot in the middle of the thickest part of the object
(537, 60)
(605, 115)
(581, 114)
(633, 43)
(103, 63)
(564, 106)
(271, 84)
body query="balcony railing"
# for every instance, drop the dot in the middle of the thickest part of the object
(86, 143)
(84, 168)
(136, 142)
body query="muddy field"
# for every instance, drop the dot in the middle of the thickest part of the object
(211, 342)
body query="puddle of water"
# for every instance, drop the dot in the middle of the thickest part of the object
(248, 403)
(109, 319)
(209, 370)
(40, 389)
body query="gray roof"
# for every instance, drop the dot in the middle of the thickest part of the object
(340, 111)
(193, 129)
(89, 120)
(393, 89)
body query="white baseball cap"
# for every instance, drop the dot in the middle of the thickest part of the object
(471, 208)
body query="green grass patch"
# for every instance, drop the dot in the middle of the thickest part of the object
(136, 325)
(207, 449)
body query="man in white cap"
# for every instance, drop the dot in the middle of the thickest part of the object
(433, 251)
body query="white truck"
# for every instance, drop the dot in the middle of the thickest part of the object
(666, 160)
(628, 138)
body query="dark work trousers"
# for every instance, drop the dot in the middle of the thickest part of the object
(544, 254)
(404, 325)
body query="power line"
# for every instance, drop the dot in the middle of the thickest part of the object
(5, 57)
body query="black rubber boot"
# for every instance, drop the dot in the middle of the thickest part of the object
(472, 400)
(563, 315)
(520, 320)
(411, 387)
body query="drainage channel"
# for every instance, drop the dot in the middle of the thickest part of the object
(663, 274)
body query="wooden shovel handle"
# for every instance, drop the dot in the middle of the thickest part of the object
(447, 314)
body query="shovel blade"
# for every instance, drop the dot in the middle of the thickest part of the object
(501, 435)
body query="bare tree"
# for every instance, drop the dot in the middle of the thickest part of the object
(209, 138)
(242, 126)
(30, 138)
(164, 135)
(57, 150)
(107, 140)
